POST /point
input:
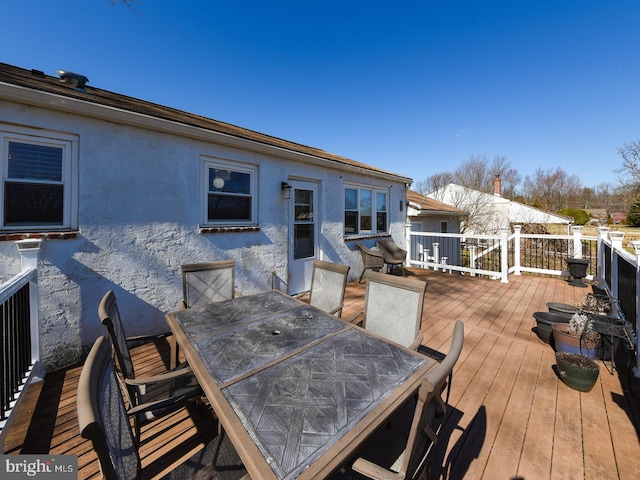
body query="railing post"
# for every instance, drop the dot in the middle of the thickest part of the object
(636, 249)
(504, 257)
(29, 255)
(472, 259)
(517, 229)
(577, 240)
(436, 253)
(603, 232)
(616, 244)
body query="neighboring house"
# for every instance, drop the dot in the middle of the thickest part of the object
(488, 213)
(124, 191)
(428, 215)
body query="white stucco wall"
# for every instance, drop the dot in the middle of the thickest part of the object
(139, 210)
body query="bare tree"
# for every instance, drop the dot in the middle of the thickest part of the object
(433, 183)
(552, 189)
(478, 173)
(630, 170)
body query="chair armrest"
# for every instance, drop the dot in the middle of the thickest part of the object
(355, 317)
(140, 339)
(302, 294)
(376, 472)
(163, 377)
(157, 404)
(337, 309)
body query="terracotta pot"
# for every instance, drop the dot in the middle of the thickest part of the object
(565, 342)
(577, 371)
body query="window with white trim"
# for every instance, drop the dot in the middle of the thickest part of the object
(39, 178)
(230, 193)
(365, 210)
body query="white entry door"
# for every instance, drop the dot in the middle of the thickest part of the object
(304, 223)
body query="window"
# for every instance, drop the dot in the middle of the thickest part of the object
(230, 197)
(38, 181)
(365, 210)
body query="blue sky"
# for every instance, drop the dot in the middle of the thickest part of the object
(415, 87)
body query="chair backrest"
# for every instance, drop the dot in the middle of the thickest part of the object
(391, 250)
(439, 374)
(211, 282)
(110, 317)
(327, 286)
(370, 258)
(102, 416)
(393, 308)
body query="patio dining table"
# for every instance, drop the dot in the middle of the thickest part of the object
(296, 390)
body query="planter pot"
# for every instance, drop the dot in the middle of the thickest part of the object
(564, 342)
(577, 371)
(578, 270)
(544, 320)
(565, 308)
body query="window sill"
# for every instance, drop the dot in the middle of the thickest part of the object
(236, 229)
(12, 237)
(354, 238)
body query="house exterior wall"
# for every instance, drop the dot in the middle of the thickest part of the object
(139, 197)
(447, 246)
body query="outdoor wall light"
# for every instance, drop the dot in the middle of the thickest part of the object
(286, 190)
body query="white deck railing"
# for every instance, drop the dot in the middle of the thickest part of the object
(497, 256)
(19, 335)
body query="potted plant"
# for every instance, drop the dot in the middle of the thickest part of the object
(577, 371)
(578, 336)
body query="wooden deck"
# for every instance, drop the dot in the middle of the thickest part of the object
(511, 417)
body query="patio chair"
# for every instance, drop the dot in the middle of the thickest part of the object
(393, 308)
(393, 255)
(442, 375)
(327, 286)
(401, 451)
(371, 259)
(103, 419)
(204, 283)
(174, 387)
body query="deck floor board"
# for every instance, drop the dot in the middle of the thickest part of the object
(509, 417)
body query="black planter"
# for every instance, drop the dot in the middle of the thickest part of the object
(544, 320)
(578, 270)
(564, 308)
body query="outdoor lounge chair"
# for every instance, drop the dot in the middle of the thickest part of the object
(327, 286)
(204, 283)
(103, 418)
(174, 387)
(400, 450)
(393, 308)
(393, 255)
(371, 259)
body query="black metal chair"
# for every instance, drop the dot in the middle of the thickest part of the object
(149, 397)
(103, 418)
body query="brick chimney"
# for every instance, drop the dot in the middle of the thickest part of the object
(497, 186)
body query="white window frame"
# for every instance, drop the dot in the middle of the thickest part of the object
(252, 170)
(374, 211)
(69, 145)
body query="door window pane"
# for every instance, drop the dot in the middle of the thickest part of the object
(303, 245)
